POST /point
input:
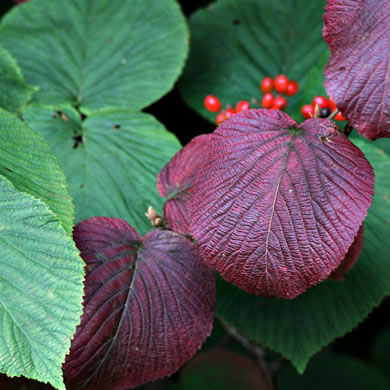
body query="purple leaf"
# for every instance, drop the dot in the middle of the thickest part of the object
(276, 206)
(357, 76)
(350, 258)
(175, 182)
(148, 306)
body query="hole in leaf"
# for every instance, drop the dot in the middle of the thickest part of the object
(116, 127)
(236, 22)
(60, 114)
(77, 140)
(82, 116)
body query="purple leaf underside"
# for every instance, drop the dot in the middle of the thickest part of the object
(357, 76)
(148, 306)
(350, 258)
(276, 206)
(175, 182)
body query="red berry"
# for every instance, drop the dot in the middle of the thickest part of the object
(321, 101)
(332, 105)
(268, 100)
(339, 117)
(229, 112)
(220, 118)
(307, 111)
(280, 103)
(212, 103)
(292, 88)
(242, 105)
(281, 83)
(267, 85)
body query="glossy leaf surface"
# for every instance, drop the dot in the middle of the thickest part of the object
(41, 288)
(233, 47)
(111, 159)
(300, 328)
(149, 305)
(96, 54)
(175, 181)
(277, 205)
(358, 73)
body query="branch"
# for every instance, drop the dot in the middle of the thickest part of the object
(255, 349)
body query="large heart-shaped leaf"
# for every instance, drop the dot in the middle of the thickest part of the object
(175, 181)
(299, 328)
(149, 305)
(358, 73)
(111, 159)
(96, 54)
(276, 205)
(233, 46)
(27, 161)
(41, 288)
(14, 91)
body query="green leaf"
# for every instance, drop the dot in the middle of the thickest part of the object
(301, 327)
(336, 372)
(14, 91)
(234, 46)
(27, 161)
(96, 54)
(314, 84)
(113, 171)
(40, 288)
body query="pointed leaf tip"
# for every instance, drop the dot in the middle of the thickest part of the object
(276, 206)
(149, 305)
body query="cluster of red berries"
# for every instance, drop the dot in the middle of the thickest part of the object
(327, 106)
(213, 104)
(281, 84)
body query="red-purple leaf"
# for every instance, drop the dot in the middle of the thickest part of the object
(276, 207)
(357, 76)
(350, 258)
(175, 182)
(148, 307)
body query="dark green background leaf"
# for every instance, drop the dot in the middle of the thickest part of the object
(14, 91)
(380, 352)
(113, 171)
(26, 160)
(98, 53)
(40, 288)
(300, 327)
(233, 46)
(336, 372)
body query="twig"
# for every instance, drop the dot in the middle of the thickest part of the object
(255, 349)
(333, 114)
